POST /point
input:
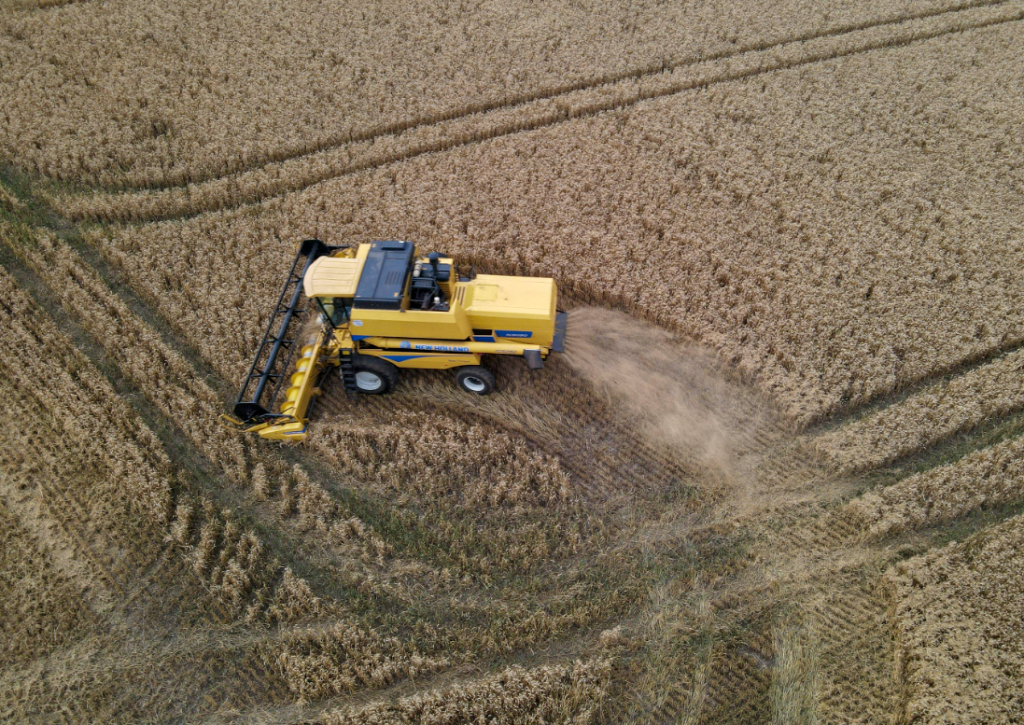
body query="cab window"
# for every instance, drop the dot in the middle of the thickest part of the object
(336, 309)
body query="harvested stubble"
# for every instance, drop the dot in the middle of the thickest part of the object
(152, 95)
(988, 477)
(927, 417)
(569, 693)
(39, 608)
(345, 657)
(958, 618)
(891, 255)
(436, 456)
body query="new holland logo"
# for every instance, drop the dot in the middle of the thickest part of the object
(442, 348)
(405, 345)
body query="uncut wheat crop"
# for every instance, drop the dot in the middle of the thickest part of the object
(147, 94)
(958, 623)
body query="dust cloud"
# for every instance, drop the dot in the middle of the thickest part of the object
(676, 392)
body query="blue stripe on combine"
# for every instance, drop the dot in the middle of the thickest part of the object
(359, 337)
(483, 338)
(401, 358)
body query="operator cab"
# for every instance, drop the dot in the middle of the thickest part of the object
(369, 285)
(336, 310)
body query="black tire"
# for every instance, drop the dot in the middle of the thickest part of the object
(475, 379)
(370, 370)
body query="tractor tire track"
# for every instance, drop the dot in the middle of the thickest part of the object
(544, 94)
(476, 124)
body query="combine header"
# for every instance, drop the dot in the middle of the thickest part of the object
(383, 308)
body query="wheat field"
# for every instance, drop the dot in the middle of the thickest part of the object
(777, 476)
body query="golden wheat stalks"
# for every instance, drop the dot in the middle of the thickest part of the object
(83, 404)
(323, 79)
(927, 417)
(569, 693)
(741, 229)
(164, 376)
(346, 657)
(988, 477)
(959, 628)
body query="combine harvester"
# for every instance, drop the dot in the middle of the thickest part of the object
(384, 308)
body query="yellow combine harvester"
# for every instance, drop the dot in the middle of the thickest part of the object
(384, 308)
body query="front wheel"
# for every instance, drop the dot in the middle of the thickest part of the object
(373, 375)
(475, 379)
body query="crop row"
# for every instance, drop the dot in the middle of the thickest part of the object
(931, 415)
(823, 228)
(959, 626)
(988, 477)
(88, 412)
(345, 657)
(130, 472)
(163, 375)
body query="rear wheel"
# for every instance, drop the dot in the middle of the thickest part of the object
(475, 379)
(373, 375)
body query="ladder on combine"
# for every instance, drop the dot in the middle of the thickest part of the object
(348, 373)
(270, 366)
